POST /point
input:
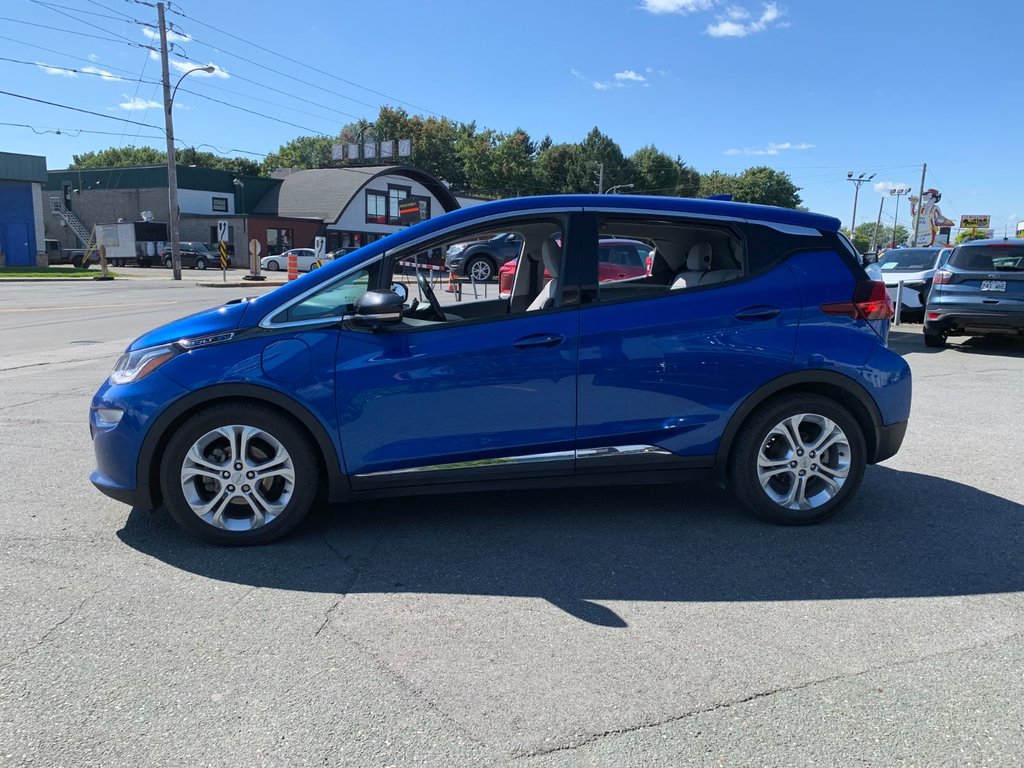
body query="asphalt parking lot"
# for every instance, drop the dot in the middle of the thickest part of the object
(607, 627)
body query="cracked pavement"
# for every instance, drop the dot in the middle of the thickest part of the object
(609, 627)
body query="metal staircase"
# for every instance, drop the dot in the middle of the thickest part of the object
(85, 237)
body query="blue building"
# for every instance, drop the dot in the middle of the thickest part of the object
(21, 210)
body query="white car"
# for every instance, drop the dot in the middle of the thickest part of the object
(307, 257)
(914, 267)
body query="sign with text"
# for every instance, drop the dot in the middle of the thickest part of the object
(979, 221)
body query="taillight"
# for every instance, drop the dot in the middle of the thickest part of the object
(870, 302)
(649, 262)
(942, 277)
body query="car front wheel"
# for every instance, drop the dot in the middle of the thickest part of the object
(272, 266)
(239, 473)
(798, 459)
(168, 262)
(200, 263)
(480, 270)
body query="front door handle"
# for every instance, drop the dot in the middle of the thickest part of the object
(539, 340)
(757, 312)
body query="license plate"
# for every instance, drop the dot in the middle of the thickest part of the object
(993, 285)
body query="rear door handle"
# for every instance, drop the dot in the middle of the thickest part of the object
(539, 340)
(759, 312)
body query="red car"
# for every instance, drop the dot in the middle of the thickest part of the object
(618, 260)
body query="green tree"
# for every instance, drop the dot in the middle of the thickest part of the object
(476, 151)
(301, 152)
(716, 183)
(596, 151)
(656, 173)
(971, 233)
(766, 186)
(118, 157)
(240, 165)
(551, 169)
(513, 158)
(433, 149)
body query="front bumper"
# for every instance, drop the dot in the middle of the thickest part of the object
(888, 439)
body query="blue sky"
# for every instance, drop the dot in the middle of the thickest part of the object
(811, 87)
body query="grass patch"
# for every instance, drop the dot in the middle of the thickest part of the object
(55, 271)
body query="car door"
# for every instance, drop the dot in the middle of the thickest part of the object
(488, 394)
(662, 367)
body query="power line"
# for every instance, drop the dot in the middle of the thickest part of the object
(104, 74)
(300, 64)
(77, 33)
(79, 109)
(68, 55)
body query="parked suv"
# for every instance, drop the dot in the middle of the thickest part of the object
(753, 353)
(979, 292)
(193, 255)
(480, 261)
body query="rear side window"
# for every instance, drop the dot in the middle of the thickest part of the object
(989, 258)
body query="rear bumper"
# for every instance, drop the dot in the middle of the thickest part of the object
(958, 322)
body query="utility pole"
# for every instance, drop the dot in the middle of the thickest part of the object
(920, 199)
(878, 223)
(600, 178)
(172, 170)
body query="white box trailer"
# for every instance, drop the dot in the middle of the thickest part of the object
(139, 242)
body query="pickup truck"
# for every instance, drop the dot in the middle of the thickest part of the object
(57, 255)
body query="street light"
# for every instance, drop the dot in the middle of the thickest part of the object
(172, 170)
(611, 190)
(897, 192)
(857, 181)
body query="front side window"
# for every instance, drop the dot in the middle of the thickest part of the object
(334, 300)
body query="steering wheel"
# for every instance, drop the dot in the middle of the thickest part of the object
(428, 292)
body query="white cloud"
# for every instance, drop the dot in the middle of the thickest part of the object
(735, 22)
(130, 104)
(187, 66)
(629, 75)
(600, 86)
(93, 57)
(885, 186)
(773, 148)
(56, 71)
(676, 6)
(104, 75)
(577, 74)
(172, 37)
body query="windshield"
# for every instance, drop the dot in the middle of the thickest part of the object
(909, 259)
(989, 258)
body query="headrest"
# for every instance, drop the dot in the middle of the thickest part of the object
(551, 252)
(699, 258)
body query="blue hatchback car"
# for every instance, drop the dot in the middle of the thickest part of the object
(753, 352)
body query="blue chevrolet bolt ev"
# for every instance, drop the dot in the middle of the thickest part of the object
(752, 352)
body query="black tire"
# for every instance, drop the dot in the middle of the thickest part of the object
(169, 262)
(273, 266)
(76, 262)
(200, 263)
(304, 463)
(934, 340)
(757, 434)
(479, 269)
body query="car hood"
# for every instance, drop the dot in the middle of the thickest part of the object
(216, 320)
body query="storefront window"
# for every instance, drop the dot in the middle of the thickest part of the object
(279, 241)
(376, 208)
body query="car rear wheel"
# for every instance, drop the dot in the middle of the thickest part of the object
(168, 262)
(480, 269)
(934, 340)
(272, 266)
(238, 474)
(798, 460)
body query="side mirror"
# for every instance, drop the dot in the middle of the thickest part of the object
(378, 308)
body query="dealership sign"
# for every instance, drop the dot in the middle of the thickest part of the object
(975, 222)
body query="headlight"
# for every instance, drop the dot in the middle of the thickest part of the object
(457, 248)
(139, 363)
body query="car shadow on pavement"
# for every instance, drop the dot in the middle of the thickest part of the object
(912, 342)
(905, 535)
